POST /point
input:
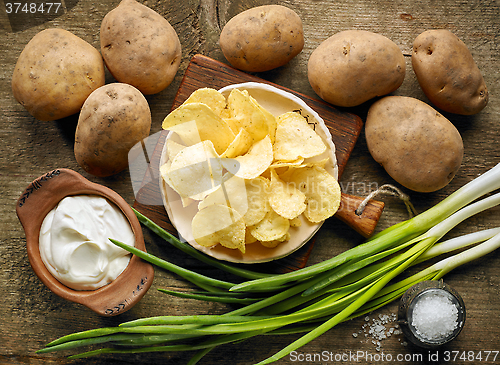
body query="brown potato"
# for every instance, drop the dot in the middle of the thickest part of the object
(447, 73)
(55, 73)
(113, 119)
(140, 47)
(416, 145)
(262, 38)
(354, 66)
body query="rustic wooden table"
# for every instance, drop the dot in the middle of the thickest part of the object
(31, 315)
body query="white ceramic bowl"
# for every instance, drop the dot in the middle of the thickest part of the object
(277, 102)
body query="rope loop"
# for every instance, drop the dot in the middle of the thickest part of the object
(388, 189)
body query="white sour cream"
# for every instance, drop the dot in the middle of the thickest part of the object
(74, 243)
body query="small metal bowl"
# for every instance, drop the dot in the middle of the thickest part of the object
(407, 306)
(39, 198)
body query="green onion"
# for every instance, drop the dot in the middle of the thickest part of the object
(210, 298)
(457, 243)
(404, 231)
(311, 300)
(195, 278)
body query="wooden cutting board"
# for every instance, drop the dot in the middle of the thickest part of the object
(202, 72)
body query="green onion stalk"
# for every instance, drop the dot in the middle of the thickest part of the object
(311, 300)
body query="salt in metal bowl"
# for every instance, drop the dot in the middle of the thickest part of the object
(407, 305)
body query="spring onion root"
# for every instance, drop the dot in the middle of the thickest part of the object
(311, 300)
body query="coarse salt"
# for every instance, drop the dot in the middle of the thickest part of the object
(375, 330)
(434, 317)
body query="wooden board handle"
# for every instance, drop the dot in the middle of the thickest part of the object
(365, 223)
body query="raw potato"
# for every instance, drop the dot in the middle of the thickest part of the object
(354, 66)
(55, 73)
(447, 73)
(140, 47)
(416, 145)
(113, 119)
(262, 38)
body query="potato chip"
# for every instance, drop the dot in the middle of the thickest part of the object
(257, 191)
(239, 146)
(210, 97)
(246, 113)
(247, 197)
(285, 199)
(278, 164)
(271, 228)
(248, 236)
(321, 189)
(296, 222)
(231, 192)
(173, 148)
(219, 224)
(271, 244)
(164, 169)
(195, 171)
(285, 175)
(163, 172)
(196, 122)
(296, 139)
(272, 123)
(252, 164)
(320, 163)
(226, 115)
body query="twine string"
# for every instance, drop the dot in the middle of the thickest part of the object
(388, 189)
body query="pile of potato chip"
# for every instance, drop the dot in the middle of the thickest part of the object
(250, 172)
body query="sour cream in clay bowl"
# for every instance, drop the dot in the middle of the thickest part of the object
(67, 220)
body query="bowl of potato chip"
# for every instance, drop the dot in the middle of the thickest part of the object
(248, 173)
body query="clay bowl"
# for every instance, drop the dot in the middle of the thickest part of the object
(41, 196)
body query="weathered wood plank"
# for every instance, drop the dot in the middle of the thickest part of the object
(33, 316)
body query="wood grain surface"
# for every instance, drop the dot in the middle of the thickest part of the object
(32, 315)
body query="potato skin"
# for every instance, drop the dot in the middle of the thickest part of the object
(262, 38)
(140, 47)
(416, 145)
(55, 73)
(447, 73)
(354, 66)
(113, 119)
